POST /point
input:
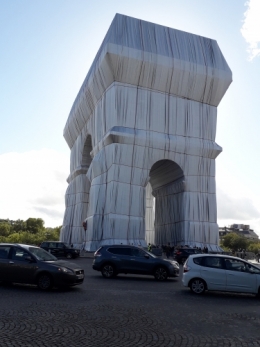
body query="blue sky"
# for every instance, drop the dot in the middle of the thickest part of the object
(47, 47)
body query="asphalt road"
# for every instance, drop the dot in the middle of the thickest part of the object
(126, 311)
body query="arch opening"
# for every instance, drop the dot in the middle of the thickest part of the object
(164, 199)
(87, 153)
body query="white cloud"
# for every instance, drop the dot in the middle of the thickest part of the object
(251, 28)
(33, 184)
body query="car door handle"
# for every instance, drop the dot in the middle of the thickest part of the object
(11, 262)
(132, 259)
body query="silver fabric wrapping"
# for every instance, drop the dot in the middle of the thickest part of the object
(142, 137)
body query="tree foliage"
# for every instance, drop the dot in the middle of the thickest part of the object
(4, 229)
(234, 242)
(31, 231)
(34, 225)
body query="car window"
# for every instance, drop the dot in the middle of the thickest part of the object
(252, 268)
(113, 250)
(235, 265)
(124, 251)
(197, 260)
(60, 245)
(44, 244)
(4, 252)
(41, 254)
(121, 251)
(138, 252)
(214, 262)
(52, 245)
(20, 254)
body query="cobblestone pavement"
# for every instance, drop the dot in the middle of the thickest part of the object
(126, 311)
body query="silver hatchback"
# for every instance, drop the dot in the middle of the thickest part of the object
(220, 272)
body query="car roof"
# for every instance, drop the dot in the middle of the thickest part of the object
(121, 246)
(214, 255)
(54, 241)
(18, 244)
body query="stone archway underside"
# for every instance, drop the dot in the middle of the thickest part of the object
(151, 94)
(167, 184)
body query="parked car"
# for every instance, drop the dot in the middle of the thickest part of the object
(182, 254)
(33, 265)
(112, 260)
(220, 272)
(60, 249)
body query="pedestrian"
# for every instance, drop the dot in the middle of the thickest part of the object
(258, 256)
(149, 248)
(85, 224)
(172, 251)
(168, 250)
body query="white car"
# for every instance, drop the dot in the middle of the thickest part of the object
(220, 272)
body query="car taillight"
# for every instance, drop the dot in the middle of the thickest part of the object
(186, 268)
(97, 254)
(178, 253)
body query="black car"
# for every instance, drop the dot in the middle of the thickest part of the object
(112, 260)
(33, 265)
(182, 254)
(60, 249)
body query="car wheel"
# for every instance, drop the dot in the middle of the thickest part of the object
(160, 274)
(197, 286)
(44, 282)
(108, 271)
(68, 255)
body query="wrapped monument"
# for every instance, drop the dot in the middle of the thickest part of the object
(142, 138)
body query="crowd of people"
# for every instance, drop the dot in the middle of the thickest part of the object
(169, 250)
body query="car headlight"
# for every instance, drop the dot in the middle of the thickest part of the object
(66, 270)
(175, 264)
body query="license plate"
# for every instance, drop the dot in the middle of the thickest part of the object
(80, 277)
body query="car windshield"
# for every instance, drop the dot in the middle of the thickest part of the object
(67, 245)
(151, 254)
(41, 254)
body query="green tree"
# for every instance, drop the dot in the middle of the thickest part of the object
(234, 242)
(13, 238)
(31, 231)
(5, 229)
(34, 225)
(254, 247)
(17, 226)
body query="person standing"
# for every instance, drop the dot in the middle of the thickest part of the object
(85, 225)
(258, 256)
(168, 250)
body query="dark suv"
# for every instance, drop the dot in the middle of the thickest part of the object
(182, 254)
(60, 249)
(112, 260)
